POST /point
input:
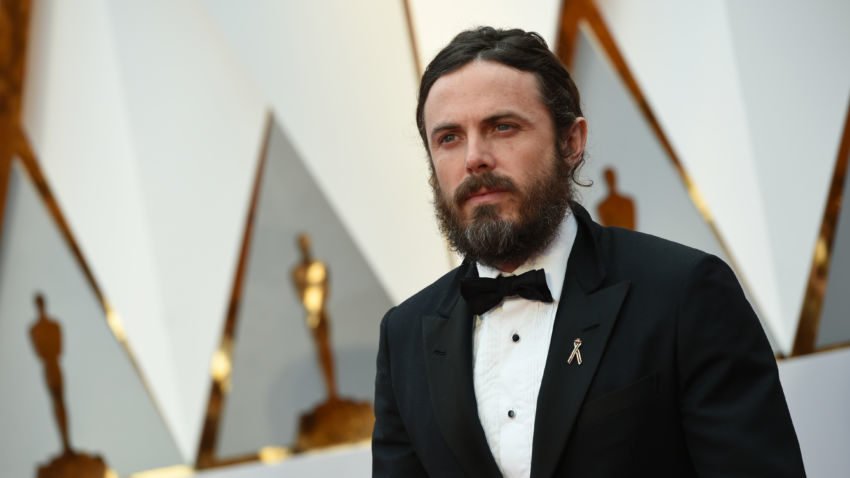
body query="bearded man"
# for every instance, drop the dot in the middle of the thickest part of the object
(560, 347)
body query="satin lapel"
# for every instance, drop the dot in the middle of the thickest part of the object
(590, 318)
(448, 359)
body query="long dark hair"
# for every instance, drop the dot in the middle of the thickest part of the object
(525, 51)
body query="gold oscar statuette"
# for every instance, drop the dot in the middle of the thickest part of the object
(616, 209)
(46, 337)
(337, 420)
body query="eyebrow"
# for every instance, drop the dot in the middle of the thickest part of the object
(505, 115)
(494, 118)
(440, 127)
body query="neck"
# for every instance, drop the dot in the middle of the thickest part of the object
(507, 267)
(503, 266)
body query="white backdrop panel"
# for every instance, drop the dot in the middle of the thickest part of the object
(76, 118)
(436, 22)
(619, 137)
(795, 87)
(109, 411)
(835, 322)
(341, 78)
(196, 123)
(276, 375)
(818, 391)
(682, 56)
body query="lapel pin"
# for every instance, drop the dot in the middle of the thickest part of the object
(576, 353)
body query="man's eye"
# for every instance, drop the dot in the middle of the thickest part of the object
(502, 127)
(448, 138)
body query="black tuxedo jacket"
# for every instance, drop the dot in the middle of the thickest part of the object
(677, 378)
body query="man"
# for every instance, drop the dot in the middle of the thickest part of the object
(606, 353)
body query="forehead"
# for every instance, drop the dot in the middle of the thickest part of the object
(482, 87)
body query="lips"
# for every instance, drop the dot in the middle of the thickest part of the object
(484, 194)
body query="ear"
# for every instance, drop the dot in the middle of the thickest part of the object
(574, 141)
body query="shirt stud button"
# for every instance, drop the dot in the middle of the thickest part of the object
(511, 414)
(515, 337)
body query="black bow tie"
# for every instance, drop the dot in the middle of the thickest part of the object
(482, 293)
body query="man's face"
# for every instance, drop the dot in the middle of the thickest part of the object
(487, 117)
(501, 188)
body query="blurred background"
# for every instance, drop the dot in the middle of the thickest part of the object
(159, 161)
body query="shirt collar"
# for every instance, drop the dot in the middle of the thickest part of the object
(553, 259)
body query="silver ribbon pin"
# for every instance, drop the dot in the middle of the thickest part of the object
(576, 353)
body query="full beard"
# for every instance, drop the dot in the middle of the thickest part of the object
(493, 240)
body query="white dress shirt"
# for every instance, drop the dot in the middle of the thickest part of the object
(510, 346)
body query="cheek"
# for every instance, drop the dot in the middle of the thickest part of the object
(447, 176)
(537, 163)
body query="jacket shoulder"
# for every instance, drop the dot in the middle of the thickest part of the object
(636, 255)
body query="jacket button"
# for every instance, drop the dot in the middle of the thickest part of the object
(515, 337)
(511, 413)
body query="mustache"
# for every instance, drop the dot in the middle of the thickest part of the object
(486, 180)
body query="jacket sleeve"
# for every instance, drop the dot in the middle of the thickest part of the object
(734, 415)
(392, 452)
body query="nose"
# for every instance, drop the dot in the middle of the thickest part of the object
(479, 157)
